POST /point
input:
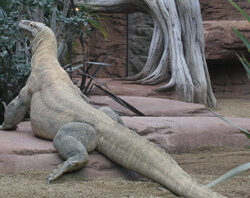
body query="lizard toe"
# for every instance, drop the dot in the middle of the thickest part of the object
(61, 168)
(67, 166)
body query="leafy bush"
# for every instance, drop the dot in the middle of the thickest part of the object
(63, 18)
(14, 67)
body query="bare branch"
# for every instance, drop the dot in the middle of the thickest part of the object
(28, 12)
(34, 14)
(65, 12)
(177, 46)
(66, 7)
(53, 18)
(61, 49)
(40, 15)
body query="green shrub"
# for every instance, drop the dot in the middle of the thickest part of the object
(14, 67)
(67, 23)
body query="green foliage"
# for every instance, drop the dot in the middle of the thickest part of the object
(84, 20)
(14, 48)
(5, 4)
(246, 65)
(230, 174)
(243, 60)
(13, 66)
(243, 39)
(242, 12)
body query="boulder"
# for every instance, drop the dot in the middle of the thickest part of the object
(222, 10)
(125, 88)
(221, 41)
(180, 134)
(154, 107)
(21, 151)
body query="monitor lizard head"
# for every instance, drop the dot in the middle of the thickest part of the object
(31, 28)
(39, 34)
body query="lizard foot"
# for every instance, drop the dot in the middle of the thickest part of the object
(61, 168)
(72, 147)
(7, 127)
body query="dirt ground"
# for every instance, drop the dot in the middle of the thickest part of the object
(203, 164)
(234, 107)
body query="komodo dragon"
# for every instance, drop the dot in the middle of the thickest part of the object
(60, 112)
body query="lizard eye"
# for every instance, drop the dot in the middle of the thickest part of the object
(32, 25)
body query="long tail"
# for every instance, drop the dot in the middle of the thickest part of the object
(135, 153)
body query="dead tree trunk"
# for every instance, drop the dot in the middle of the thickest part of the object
(177, 46)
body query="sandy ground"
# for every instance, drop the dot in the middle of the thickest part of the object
(234, 107)
(204, 164)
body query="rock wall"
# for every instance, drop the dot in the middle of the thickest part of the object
(221, 42)
(221, 10)
(112, 49)
(219, 17)
(228, 77)
(140, 31)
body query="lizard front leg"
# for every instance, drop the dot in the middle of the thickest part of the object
(16, 110)
(73, 142)
(113, 115)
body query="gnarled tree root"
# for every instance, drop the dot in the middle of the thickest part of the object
(177, 46)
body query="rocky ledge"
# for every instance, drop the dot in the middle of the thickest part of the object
(20, 150)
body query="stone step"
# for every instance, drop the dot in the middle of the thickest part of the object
(154, 107)
(181, 134)
(21, 151)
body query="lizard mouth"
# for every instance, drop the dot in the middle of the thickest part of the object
(23, 25)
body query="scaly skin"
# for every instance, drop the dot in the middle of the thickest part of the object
(61, 113)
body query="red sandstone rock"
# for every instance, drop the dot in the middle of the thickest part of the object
(22, 151)
(155, 107)
(123, 88)
(112, 48)
(221, 10)
(23, 142)
(178, 134)
(221, 41)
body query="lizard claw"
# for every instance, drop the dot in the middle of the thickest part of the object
(52, 176)
(48, 180)
(5, 127)
(55, 173)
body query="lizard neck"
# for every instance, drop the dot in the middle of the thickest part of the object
(44, 45)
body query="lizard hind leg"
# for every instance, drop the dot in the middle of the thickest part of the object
(73, 142)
